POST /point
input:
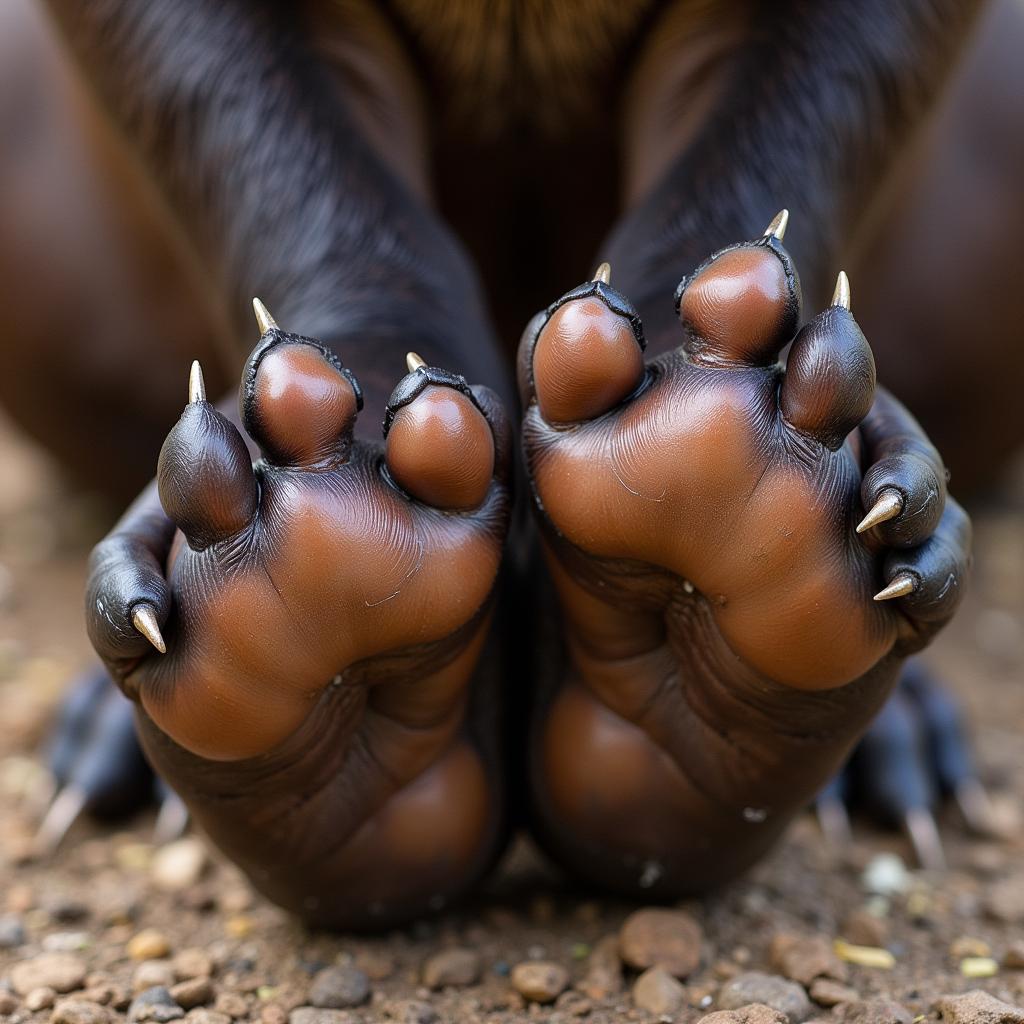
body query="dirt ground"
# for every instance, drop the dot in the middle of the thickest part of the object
(110, 915)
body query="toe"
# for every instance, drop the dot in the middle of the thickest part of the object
(205, 476)
(440, 446)
(126, 578)
(928, 581)
(299, 404)
(741, 305)
(904, 488)
(587, 355)
(830, 377)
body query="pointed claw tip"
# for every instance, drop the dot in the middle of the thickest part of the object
(924, 837)
(65, 809)
(264, 321)
(144, 620)
(901, 586)
(603, 273)
(413, 361)
(888, 505)
(196, 384)
(834, 822)
(171, 820)
(778, 225)
(841, 296)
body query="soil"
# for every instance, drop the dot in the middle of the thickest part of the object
(108, 914)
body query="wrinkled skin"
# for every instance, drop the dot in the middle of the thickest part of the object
(721, 645)
(359, 168)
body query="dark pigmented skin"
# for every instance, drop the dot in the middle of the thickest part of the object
(721, 645)
(324, 640)
(440, 449)
(341, 234)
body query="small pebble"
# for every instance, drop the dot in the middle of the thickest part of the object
(62, 972)
(192, 992)
(885, 875)
(98, 992)
(826, 992)
(604, 970)
(670, 939)
(178, 865)
(657, 992)
(865, 956)
(192, 963)
(804, 958)
(40, 999)
(452, 967)
(153, 974)
(149, 944)
(12, 931)
(335, 988)
(80, 1011)
(574, 1004)
(778, 993)
(979, 967)
(240, 926)
(539, 981)
(155, 1004)
(977, 1007)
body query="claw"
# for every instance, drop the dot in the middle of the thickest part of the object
(413, 361)
(976, 808)
(834, 822)
(144, 620)
(841, 296)
(171, 819)
(196, 384)
(901, 585)
(63, 813)
(888, 505)
(264, 321)
(778, 225)
(603, 273)
(924, 837)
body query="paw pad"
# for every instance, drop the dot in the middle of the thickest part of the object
(298, 403)
(440, 447)
(588, 354)
(741, 305)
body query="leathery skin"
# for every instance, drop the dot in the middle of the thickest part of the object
(720, 647)
(324, 618)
